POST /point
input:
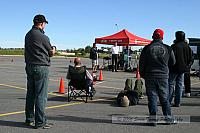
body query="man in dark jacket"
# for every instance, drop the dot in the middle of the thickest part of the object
(153, 66)
(183, 55)
(187, 80)
(94, 57)
(38, 51)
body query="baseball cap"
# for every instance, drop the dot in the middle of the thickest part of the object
(180, 35)
(158, 34)
(40, 19)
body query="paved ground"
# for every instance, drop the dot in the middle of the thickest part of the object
(76, 116)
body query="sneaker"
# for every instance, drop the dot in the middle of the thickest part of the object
(30, 124)
(46, 126)
(141, 97)
(170, 121)
(187, 94)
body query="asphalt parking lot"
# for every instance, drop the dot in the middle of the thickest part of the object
(77, 116)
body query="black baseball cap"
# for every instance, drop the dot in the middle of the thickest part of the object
(40, 19)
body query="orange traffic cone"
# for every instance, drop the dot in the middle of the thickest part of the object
(137, 73)
(100, 76)
(62, 86)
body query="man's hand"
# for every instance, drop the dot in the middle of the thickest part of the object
(53, 51)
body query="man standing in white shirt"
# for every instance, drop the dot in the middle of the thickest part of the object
(115, 52)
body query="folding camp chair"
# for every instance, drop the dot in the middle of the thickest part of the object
(78, 85)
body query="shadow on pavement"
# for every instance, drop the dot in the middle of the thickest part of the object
(111, 102)
(13, 124)
(78, 119)
(195, 119)
(190, 104)
(89, 120)
(58, 98)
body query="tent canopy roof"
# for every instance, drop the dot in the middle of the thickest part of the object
(123, 38)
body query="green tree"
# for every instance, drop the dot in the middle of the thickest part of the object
(83, 53)
(87, 49)
(80, 50)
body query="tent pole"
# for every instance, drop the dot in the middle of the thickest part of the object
(128, 55)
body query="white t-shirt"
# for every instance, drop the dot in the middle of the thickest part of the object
(115, 50)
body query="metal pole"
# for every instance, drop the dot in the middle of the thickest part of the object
(117, 31)
(128, 55)
(117, 27)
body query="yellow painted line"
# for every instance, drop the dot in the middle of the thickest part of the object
(12, 113)
(64, 105)
(56, 94)
(50, 107)
(21, 88)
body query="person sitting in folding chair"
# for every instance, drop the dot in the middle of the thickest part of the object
(80, 79)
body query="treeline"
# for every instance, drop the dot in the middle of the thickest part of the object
(12, 51)
(78, 52)
(11, 48)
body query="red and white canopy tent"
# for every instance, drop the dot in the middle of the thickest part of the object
(123, 38)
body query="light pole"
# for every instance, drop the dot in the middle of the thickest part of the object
(117, 27)
(117, 31)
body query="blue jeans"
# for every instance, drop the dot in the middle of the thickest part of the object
(176, 84)
(154, 88)
(37, 92)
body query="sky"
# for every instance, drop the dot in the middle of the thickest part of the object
(76, 23)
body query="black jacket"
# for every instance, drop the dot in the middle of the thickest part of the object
(155, 59)
(37, 47)
(183, 55)
(93, 53)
